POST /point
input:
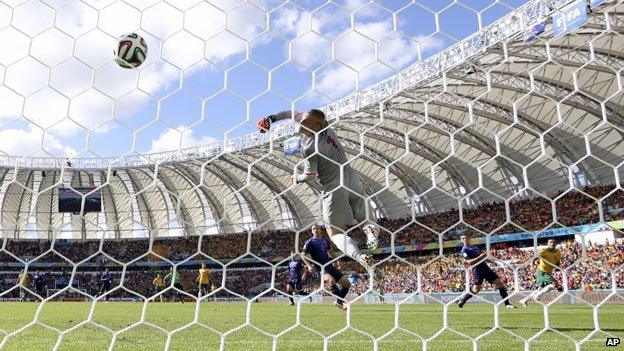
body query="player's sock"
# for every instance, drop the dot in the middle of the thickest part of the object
(342, 291)
(503, 293)
(533, 295)
(292, 301)
(544, 290)
(467, 296)
(347, 245)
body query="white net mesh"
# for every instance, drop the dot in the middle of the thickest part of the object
(501, 120)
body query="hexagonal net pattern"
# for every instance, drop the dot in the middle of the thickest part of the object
(448, 154)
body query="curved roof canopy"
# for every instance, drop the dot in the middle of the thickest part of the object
(490, 119)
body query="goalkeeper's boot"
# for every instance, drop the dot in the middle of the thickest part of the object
(340, 305)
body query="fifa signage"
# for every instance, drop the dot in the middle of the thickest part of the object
(569, 18)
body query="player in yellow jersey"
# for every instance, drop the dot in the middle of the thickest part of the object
(159, 285)
(24, 282)
(203, 278)
(549, 259)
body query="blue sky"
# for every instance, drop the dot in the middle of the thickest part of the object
(201, 82)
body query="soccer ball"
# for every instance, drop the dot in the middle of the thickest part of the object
(131, 51)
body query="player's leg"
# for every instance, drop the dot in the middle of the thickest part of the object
(532, 296)
(341, 284)
(358, 206)
(178, 288)
(472, 291)
(545, 283)
(205, 290)
(334, 288)
(476, 279)
(338, 213)
(502, 290)
(299, 288)
(289, 291)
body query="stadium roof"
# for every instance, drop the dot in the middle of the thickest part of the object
(490, 118)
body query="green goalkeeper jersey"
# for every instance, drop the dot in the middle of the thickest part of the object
(175, 276)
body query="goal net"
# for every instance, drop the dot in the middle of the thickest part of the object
(463, 167)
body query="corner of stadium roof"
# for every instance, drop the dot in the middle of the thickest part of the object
(495, 110)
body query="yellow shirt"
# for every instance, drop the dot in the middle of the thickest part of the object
(24, 280)
(204, 275)
(158, 282)
(549, 258)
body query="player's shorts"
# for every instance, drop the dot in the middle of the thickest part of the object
(543, 278)
(487, 274)
(204, 287)
(295, 284)
(331, 270)
(341, 206)
(178, 286)
(105, 286)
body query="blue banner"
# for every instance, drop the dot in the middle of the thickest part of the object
(292, 146)
(533, 32)
(569, 18)
(595, 3)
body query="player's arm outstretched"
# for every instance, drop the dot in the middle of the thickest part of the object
(264, 123)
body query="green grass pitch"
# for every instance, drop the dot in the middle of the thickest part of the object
(575, 322)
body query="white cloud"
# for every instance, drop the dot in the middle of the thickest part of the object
(395, 50)
(73, 77)
(32, 142)
(179, 138)
(291, 22)
(11, 103)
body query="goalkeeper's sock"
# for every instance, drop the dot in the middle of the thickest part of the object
(335, 290)
(503, 293)
(347, 245)
(343, 291)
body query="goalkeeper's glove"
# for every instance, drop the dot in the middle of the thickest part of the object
(264, 123)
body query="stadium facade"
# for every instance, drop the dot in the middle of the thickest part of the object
(524, 107)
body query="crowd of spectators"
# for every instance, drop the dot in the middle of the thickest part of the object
(593, 267)
(531, 213)
(587, 269)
